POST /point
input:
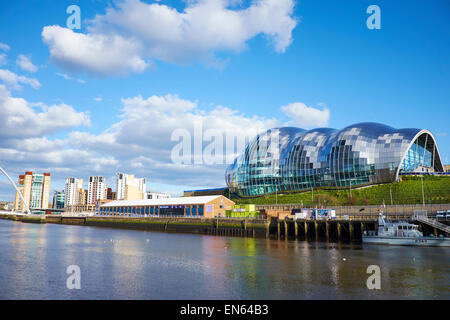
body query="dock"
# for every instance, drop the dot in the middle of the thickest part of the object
(342, 229)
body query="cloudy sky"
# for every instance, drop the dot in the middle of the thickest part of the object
(112, 95)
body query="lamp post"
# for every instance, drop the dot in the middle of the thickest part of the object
(390, 191)
(350, 185)
(423, 195)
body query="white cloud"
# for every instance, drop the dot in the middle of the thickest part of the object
(25, 63)
(2, 59)
(306, 117)
(129, 34)
(138, 142)
(21, 120)
(4, 46)
(13, 80)
(96, 54)
(63, 75)
(25, 145)
(98, 99)
(67, 77)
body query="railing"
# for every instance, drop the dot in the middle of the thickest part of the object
(433, 223)
(362, 209)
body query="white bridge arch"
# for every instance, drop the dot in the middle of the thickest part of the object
(17, 190)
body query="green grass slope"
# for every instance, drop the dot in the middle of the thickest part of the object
(407, 191)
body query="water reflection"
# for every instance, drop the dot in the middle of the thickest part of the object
(125, 264)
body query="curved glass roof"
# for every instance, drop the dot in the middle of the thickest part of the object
(290, 159)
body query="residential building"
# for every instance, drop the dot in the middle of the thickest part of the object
(129, 187)
(82, 196)
(110, 195)
(35, 189)
(58, 199)
(73, 185)
(96, 189)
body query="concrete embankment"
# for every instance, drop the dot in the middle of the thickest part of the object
(306, 230)
(228, 227)
(23, 218)
(237, 227)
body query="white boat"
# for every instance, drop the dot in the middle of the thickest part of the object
(401, 233)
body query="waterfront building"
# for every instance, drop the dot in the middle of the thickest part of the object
(35, 189)
(156, 195)
(447, 168)
(129, 187)
(96, 189)
(205, 206)
(58, 199)
(110, 195)
(73, 185)
(5, 205)
(293, 159)
(82, 197)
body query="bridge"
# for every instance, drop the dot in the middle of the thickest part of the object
(17, 190)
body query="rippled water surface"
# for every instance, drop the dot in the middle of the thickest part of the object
(126, 264)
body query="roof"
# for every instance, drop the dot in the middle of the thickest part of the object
(157, 202)
(201, 190)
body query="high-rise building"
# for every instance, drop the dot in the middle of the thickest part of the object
(129, 187)
(73, 185)
(46, 191)
(82, 197)
(96, 189)
(58, 199)
(35, 189)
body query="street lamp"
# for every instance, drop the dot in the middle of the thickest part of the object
(423, 195)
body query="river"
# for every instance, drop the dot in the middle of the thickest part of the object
(128, 264)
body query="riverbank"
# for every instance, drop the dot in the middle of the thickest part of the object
(233, 227)
(273, 228)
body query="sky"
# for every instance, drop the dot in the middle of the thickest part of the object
(140, 78)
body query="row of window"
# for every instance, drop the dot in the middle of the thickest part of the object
(193, 210)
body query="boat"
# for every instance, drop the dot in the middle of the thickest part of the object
(401, 233)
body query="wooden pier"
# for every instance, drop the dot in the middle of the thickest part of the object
(319, 230)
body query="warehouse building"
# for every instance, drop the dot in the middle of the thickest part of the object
(204, 206)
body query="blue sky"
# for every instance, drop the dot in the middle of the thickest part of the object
(323, 57)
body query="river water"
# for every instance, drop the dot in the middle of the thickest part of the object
(127, 264)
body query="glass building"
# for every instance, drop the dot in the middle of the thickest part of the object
(294, 159)
(36, 191)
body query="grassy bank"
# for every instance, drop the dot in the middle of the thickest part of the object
(407, 191)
